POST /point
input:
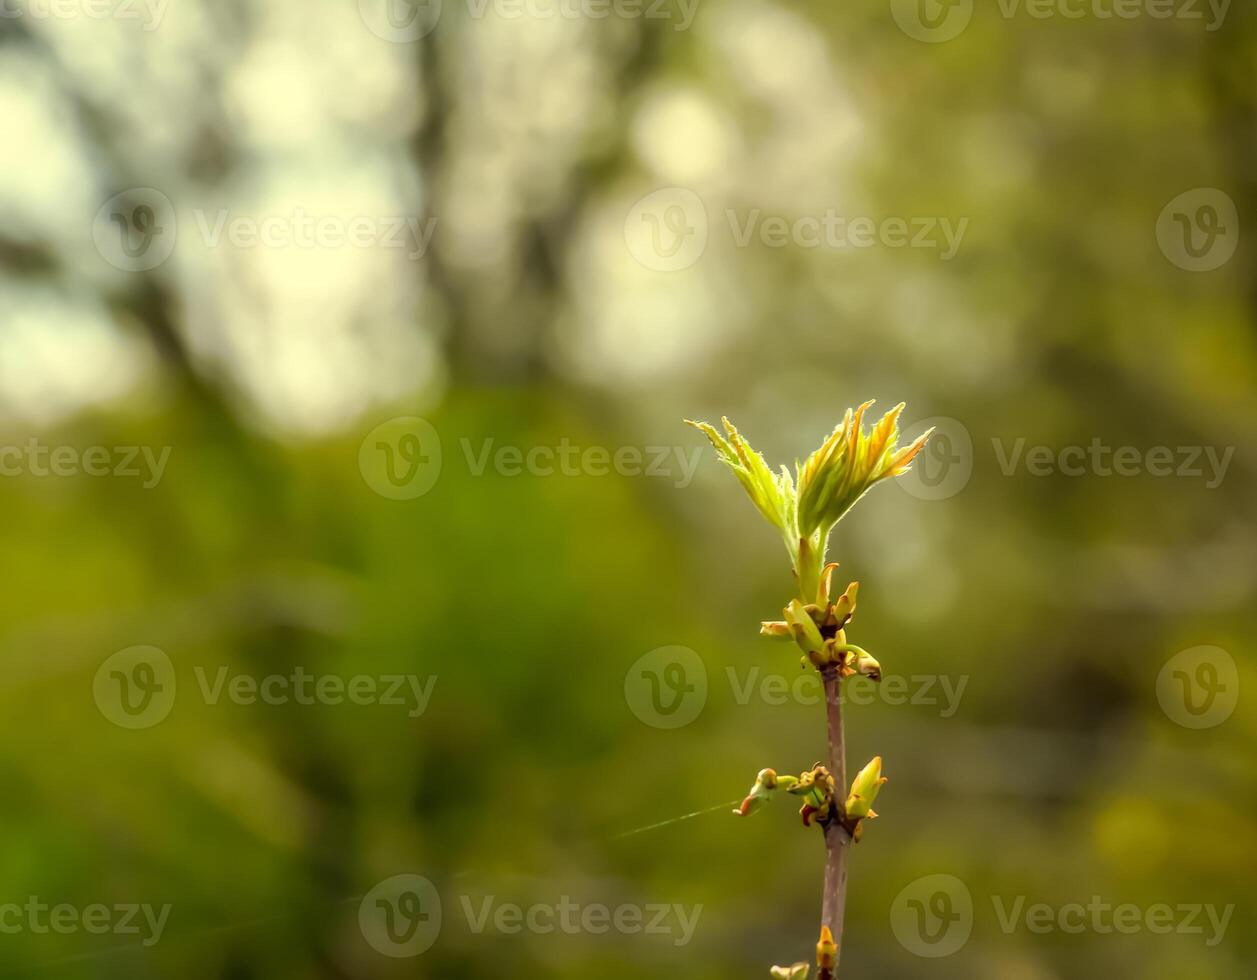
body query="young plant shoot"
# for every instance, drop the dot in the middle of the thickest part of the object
(804, 507)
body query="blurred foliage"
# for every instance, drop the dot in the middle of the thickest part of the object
(529, 598)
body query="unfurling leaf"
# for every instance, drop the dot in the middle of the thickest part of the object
(772, 493)
(847, 464)
(805, 507)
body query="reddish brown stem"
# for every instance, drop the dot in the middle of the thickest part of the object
(837, 840)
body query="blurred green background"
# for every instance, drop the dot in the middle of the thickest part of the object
(600, 185)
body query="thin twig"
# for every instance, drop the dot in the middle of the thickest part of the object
(837, 840)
